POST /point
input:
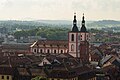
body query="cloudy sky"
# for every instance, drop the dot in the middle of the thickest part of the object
(59, 9)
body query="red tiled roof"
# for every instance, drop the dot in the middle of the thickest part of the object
(15, 47)
(50, 42)
(6, 71)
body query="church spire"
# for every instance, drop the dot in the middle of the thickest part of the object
(74, 28)
(83, 20)
(83, 28)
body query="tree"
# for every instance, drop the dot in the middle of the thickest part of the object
(39, 78)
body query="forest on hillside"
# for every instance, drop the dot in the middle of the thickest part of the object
(49, 33)
(58, 29)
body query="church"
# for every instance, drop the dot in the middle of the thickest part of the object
(77, 44)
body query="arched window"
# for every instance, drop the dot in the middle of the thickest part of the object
(81, 36)
(72, 37)
(61, 51)
(48, 51)
(35, 50)
(41, 50)
(72, 47)
(54, 51)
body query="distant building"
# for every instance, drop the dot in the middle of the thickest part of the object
(74, 59)
(6, 73)
(30, 39)
(77, 44)
(50, 66)
(15, 48)
(45, 46)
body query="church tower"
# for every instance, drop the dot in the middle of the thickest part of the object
(73, 39)
(84, 43)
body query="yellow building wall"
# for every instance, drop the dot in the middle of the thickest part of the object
(5, 77)
(93, 78)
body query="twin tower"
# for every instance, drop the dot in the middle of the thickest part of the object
(78, 41)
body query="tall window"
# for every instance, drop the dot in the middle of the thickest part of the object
(2, 77)
(87, 37)
(72, 47)
(54, 51)
(72, 37)
(35, 50)
(81, 38)
(41, 50)
(48, 51)
(81, 35)
(7, 77)
(61, 51)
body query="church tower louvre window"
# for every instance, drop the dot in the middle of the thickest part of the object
(72, 37)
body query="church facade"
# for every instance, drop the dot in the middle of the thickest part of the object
(77, 44)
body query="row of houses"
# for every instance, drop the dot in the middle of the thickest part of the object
(50, 66)
(75, 59)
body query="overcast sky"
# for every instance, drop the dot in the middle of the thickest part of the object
(59, 9)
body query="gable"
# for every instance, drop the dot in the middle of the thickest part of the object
(44, 61)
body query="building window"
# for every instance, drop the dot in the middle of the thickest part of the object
(52, 79)
(81, 39)
(2, 77)
(54, 51)
(72, 47)
(81, 35)
(48, 51)
(35, 50)
(41, 50)
(61, 51)
(7, 77)
(44, 63)
(87, 37)
(72, 37)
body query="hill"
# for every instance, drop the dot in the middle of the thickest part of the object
(104, 24)
(27, 25)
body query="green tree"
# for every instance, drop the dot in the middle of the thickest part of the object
(39, 78)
